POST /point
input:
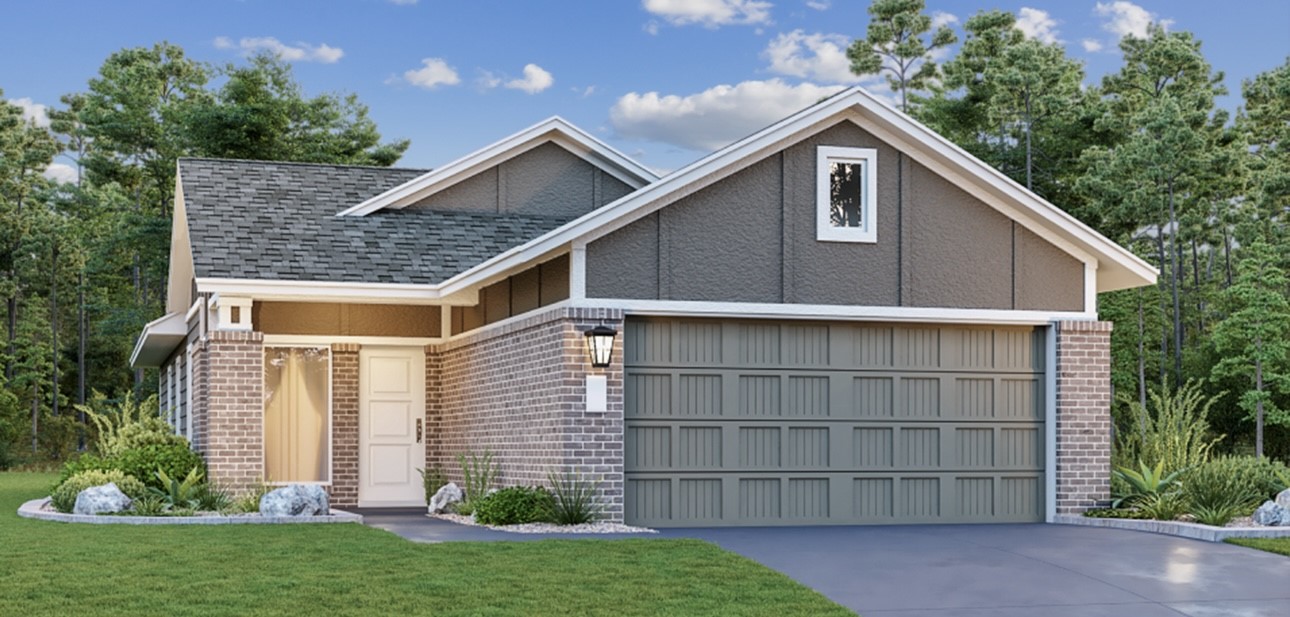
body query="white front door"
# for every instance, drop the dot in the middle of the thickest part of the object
(391, 433)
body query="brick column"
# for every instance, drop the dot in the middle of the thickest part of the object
(1083, 415)
(344, 424)
(233, 431)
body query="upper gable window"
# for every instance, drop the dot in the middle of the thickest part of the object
(846, 184)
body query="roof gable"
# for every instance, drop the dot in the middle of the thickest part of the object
(554, 130)
(1118, 267)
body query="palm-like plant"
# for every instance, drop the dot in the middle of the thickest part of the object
(1145, 482)
(185, 494)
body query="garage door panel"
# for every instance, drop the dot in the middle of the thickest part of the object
(761, 423)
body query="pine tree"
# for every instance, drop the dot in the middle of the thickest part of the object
(894, 42)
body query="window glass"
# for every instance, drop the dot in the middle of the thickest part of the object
(846, 194)
(296, 414)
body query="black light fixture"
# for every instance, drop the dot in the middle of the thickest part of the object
(600, 345)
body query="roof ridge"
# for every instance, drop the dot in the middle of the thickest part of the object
(299, 163)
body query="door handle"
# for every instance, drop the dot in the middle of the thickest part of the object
(418, 430)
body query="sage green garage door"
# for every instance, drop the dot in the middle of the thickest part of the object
(804, 423)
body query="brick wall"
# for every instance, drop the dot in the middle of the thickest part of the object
(344, 427)
(518, 390)
(232, 430)
(1083, 415)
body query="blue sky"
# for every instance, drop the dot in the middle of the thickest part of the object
(664, 81)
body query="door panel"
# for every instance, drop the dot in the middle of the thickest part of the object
(733, 422)
(391, 408)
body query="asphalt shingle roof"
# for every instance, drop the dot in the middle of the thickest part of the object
(277, 221)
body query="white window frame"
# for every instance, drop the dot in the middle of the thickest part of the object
(331, 429)
(824, 229)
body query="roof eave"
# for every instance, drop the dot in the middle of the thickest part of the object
(159, 340)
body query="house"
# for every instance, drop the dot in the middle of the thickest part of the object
(840, 319)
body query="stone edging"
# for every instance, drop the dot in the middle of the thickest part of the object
(1194, 531)
(35, 509)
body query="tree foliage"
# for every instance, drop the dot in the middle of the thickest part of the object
(896, 43)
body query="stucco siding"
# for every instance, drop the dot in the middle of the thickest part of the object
(624, 264)
(1047, 277)
(959, 249)
(326, 318)
(545, 181)
(751, 237)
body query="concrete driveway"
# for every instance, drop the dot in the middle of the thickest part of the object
(1017, 570)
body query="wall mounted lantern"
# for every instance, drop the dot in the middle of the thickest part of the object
(600, 345)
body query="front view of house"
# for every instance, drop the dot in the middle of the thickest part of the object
(841, 319)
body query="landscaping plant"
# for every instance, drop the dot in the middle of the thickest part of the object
(64, 496)
(148, 505)
(1234, 484)
(1172, 432)
(478, 474)
(179, 494)
(1162, 506)
(573, 499)
(515, 505)
(432, 480)
(1144, 483)
(248, 502)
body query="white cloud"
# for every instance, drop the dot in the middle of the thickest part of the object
(488, 79)
(535, 80)
(1038, 25)
(709, 13)
(32, 111)
(1126, 18)
(818, 56)
(819, 5)
(941, 18)
(434, 72)
(60, 172)
(584, 92)
(300, 52)
(712, 118)
(1091, 45)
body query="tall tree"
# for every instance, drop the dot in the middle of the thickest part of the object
(262, 113)
(1254, 340)
(896, 42)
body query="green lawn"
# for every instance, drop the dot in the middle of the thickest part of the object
(1271, 545)
(60, 569)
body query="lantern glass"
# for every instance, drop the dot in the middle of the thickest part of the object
(600, 345)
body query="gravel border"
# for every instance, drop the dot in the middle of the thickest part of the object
(39, 509)
(547, 528)
(1194, 531)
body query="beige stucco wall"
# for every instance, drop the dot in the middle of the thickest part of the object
(751, 237)
(321, 318)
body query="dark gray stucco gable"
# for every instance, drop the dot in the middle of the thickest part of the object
(751, 237)
(277, 221)
(547, 180)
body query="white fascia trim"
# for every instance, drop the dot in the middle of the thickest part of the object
(565, 134)
(1050, 423)
(751, 310)
(1090, 287)
(162, 330)
(725, 161)
(332, 291)
(323, 340)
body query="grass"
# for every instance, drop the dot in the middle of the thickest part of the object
(1281, 546)
(59, 569)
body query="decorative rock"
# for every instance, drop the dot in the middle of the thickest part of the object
(449, 494)
(1283, 499)
(105, 499)
(1270, 514)
(295, 500)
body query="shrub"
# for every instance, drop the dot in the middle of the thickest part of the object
(573, 499)
(1143, 483)
(1173, 432)
(1217, 516)
(1115, 513)
(130, 422)
(249, 501)
(211, 497)
(148, 505)
(64, 497)
(1163, 506)
(515, 505)
(179, 494)
(175, 459)
(1238, 482)
(85, 462)
(478, 474)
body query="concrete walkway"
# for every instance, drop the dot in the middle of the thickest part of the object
(978, 570)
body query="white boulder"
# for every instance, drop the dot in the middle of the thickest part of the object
(105, 499)
(296, 500)
(446, 496)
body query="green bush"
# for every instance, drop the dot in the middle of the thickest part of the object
(1145, 482)
(1163, 506)
(1218, 516)
(131, 423)
(179, 494)
(573, 499)
(175, 459)
(432, 480)
(248, 502)
(64, 497)
(1172, 430)
(84, 462)
(478, 474)
(515, 505)
(1115, 513)
(1238, 482)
